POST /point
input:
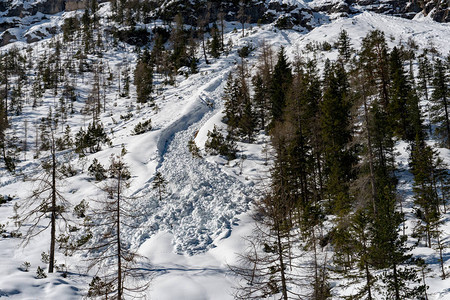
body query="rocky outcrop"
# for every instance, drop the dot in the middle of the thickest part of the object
(438, 10)
(256, 12)
(49, 7)
(75, 5)
(6, 38)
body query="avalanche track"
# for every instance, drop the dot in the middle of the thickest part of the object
(202, 200)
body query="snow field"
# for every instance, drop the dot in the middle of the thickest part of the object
(191, 236)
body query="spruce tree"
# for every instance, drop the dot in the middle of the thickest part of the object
(388, 249)
(423, 167)
(343, 45)
(375, 59)
(281, 80)
(336, 134)
(159, 184)
(403, 106)
(215, 42)
(440, 98)
(143, 78)
(231, 99)
(399, 93)
(425, 74)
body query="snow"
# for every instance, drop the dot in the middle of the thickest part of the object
(198, 229)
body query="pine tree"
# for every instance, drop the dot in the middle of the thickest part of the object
(159, 184)
(143, 78)
(281, 80)
(92, 139)
(245, 112)
(217, 144)
(336, 134)
(262, 82)
(423, 167)
(343, 45)
(259, 98)
(178, 39)
(215, 42)
(440, 98)
(231, 98)
(425, 74)
(388, 249)
(3, 126)
(375, 59)
(403, 106)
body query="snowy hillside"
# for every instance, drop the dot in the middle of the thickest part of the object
(189, 238)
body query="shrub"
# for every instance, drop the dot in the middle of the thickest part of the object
(218, 144)
(25, 266)
(97, 171)
(40, 273)
(245, 51)
(142, 127)
(92, 139)
(195, 151)
(80, 209)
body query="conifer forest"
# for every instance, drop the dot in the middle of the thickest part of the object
(218, 150)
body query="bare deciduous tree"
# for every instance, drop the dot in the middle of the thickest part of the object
(46, 201)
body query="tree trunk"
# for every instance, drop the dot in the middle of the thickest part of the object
(119, 254)
(203, 46)
(441, 258)
(447, 120)
(280, 258)
(368, 282)
(396, 283)
(53, 217)
(369, 146)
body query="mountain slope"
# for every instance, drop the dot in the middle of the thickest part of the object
(197, 229)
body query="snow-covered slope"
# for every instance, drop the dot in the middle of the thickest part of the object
(190, 236)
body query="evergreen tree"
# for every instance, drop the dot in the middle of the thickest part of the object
(440, 98)
(336, 134)
(423, 167)
(259, 98)
(217, 144)
(178, 40)
(343, 45)
(231, 99)
(245, 113)
(215, 42)
(262, 82)
(281, 81)
(159, 184)
(143, 78)
(403, 107)
(92, 139)
(375, 59)
(388, 249)
(425, 74)
(3, 127)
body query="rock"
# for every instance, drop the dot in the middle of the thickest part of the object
(75, 5)
(6, 38)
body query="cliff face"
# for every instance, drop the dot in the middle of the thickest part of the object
(285, 13)
(29, 8)
(438, 10)
(26, 13)
(291, 13)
